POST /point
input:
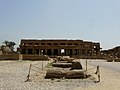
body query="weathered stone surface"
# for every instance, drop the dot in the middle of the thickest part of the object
(55, 74)
(75, 74)
(117, 60)
(64, 73)
(76, 65)
(62, 65)
(59, 47)
(65, 59)
(109, 60)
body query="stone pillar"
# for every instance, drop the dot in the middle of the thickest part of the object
(45, 51)
(66, 52)
(39, 52)
(26, 51)
(52, 51)
(76, 52)
(86, 52)
(59, 52)
(33, 51)
(80, 52)
(73, 52)
(92, 53)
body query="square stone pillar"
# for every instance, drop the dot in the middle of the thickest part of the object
(59, 52)
(52, 51)
(45, 51)
(73, 52)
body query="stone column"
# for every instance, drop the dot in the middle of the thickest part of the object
(59, 52)
(33, 51)
(39, 52)
(86, 52)
(73, 52)
(26, 51)
(45, 51)
(92, 53)
(52, 51)
(66, 52)
(80, 52)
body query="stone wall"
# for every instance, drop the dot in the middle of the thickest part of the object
(111, 53)
(60, 48)
(23, 57)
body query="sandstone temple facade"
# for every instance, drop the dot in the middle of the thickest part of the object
(60, 47)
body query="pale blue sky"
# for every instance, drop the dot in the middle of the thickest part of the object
(94, 20)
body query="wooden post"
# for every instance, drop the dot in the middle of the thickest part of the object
(86, 64)
(20, 57)
(42, 65)
(28, 76)
(98, 73)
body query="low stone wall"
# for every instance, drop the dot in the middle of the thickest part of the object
(35, 57)
(23, 57)
(9, 57)
(87, 57)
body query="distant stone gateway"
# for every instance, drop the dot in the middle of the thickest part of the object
(58, 47)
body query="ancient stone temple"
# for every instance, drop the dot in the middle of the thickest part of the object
(59, 47)
(114, 52)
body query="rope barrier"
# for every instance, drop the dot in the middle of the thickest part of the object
(38, 63)
(90, 69)
(97, 72)
(34, 70)
(36, 67)
(31, 69)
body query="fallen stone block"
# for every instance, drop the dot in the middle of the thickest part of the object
(55, 74)
(117, 60)
(62, 65)
(76, 65)
(65, 74)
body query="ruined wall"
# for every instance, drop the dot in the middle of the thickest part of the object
(111, 53)
(60, 48)
(23, 57)
(9, 57)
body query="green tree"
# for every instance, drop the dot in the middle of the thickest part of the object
(6, 43)
(10, 44)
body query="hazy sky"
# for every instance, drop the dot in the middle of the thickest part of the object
(94, 20)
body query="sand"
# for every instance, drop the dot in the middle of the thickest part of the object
(13, 75)
(110, 79)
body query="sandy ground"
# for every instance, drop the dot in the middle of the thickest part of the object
(13, 75)
(110, 78)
